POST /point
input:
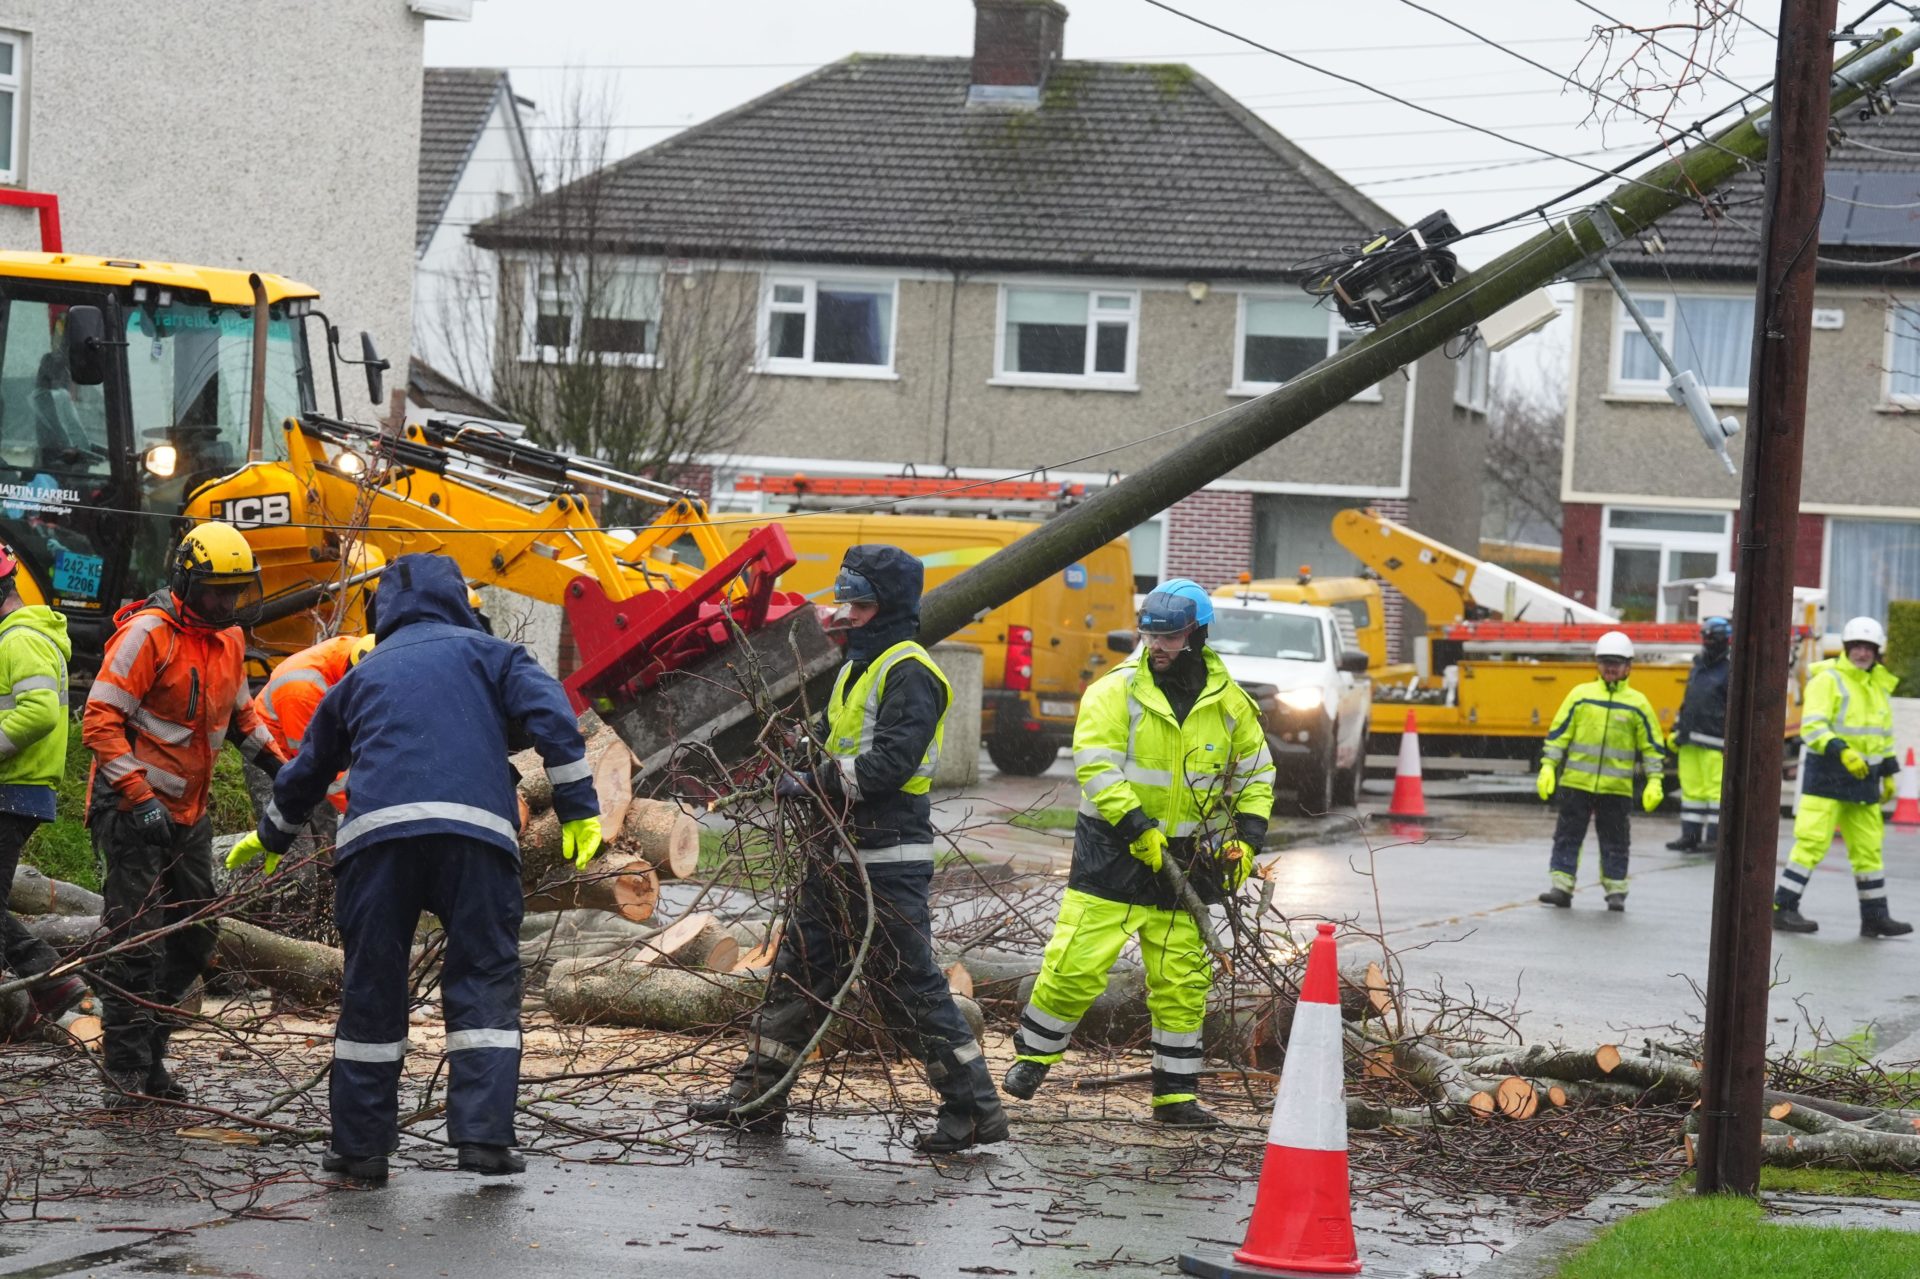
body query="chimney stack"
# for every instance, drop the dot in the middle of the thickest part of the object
(1015, 44)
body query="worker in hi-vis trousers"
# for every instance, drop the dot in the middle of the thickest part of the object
(1846, 723)
(1699, 734)
(1602, 729)
(1172, 761)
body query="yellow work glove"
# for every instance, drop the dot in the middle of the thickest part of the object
(580, 841)
(1853, 761)
(1655, 792)
(247, 849)
(1887, 790)
(1548, 782)
(1150, 848)
(1239, 858)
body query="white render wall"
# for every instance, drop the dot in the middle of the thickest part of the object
(456, 301)
(255, 134)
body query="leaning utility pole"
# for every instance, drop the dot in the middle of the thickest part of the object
(1733, 1074)
(1244, 432)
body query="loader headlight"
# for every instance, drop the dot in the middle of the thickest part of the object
(1302, 699)
(161, 460)
(349, 462)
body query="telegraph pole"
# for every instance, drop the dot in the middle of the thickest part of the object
(1733, 1076)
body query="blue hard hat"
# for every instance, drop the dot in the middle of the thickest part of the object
(1175, 605)
(1718, 627)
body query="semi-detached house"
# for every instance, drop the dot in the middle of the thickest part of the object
(1646, 504)
(986, 265)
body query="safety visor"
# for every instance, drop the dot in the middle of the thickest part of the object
(851, 588)
(221, 600)
(1163, 613)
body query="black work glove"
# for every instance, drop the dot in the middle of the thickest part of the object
(151, 819)
(794, 786)
(270, 764)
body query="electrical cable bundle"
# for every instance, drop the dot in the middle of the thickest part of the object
(1399, 268)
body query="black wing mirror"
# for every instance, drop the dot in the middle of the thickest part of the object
(376, 366)
(1353, 661)
(86, 345)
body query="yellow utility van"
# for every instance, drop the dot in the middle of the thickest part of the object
(1040, 650)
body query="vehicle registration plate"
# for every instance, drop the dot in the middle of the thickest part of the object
(1061, 709)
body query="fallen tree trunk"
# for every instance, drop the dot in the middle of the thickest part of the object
(65, 933)
(695, 941)
(33, 893)
(306, 970)
(606, 992)
(548, 937)
(623, 886)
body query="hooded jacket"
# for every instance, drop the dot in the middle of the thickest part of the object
(424, 722)
(911, 703)
(1703, 708)
(34, 651)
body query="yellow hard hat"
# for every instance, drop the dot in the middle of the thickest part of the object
(361, 647)
(214, 551)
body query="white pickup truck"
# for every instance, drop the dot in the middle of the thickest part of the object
(1313, 692)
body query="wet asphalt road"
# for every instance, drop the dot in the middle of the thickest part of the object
(841, 1196)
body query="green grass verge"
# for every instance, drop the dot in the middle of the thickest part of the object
(1849, 1183)
(62, 848)
(1046, 819)
(1723, 1237)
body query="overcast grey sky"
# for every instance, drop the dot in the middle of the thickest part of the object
(667, 65)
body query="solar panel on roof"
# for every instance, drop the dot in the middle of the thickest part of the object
(1877, 209)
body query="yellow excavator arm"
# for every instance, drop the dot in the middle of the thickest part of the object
(1447, 585)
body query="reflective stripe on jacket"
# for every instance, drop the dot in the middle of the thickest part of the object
(165, 699)
(853, 712)
(1846, 706)
(884, 729)
(287, 703)
(1600, 733)
(1209, 776)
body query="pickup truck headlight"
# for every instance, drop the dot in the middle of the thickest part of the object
(1302, 699)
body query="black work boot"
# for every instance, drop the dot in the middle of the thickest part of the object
(1616, 901)
(755, 1076)
(1788, 919)
(161, 1085)
(124, 1090)
(970, 1111)
(1557, 897)
(1689, 838)
(1709, 842)
(1024, 1079)
(490, 1161)
(1185, 1114)
(1881, 923)
(368, 1168)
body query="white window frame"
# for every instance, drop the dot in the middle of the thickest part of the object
(1664, 542)
(1089, 380)
(1336, 330)
(807, 366)
(1619, 384)
(533, 350)
(16, 84)
(1473, 379)
(1887, 396)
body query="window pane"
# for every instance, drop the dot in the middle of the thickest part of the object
(1110, 348)
(1638, 363)
(1144, 542)
(1047, 348)
(628, 295)
(1287, 318)
(1671, 521)
(1714, 338)
(1112, 302)
(792, 294)
(554, 329)
(6, 129)
(1276, 359)
(1904, 378)
(623, 337)
(1046, 306)
(1870, 563)
(787, 335)
(856, 324)
(1636, 582)
(6, 57)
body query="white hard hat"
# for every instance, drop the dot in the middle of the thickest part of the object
(1614, 644)
(1863, 630)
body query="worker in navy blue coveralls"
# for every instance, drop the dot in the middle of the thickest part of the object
(423, 723)
(882, 734)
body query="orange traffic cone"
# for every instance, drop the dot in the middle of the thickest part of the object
(1302, 1220)
(1409, 797)
(1906, 811)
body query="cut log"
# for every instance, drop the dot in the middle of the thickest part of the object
(1000, 978)
(696, 941)
(648, 996)
(612, 765)
(762, 956)
(664, 835)
(624, 886)
(1780, 1110)
(33, 893)
(960, 982)
(1516, 1098)
(65, 933)
(1557, 1095)
(1607, 1057)
(546, 938)
(1482, 1104)
(306, 970)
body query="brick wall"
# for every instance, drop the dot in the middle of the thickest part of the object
(1392, 603)
(1580, 551)
(1210, 537)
